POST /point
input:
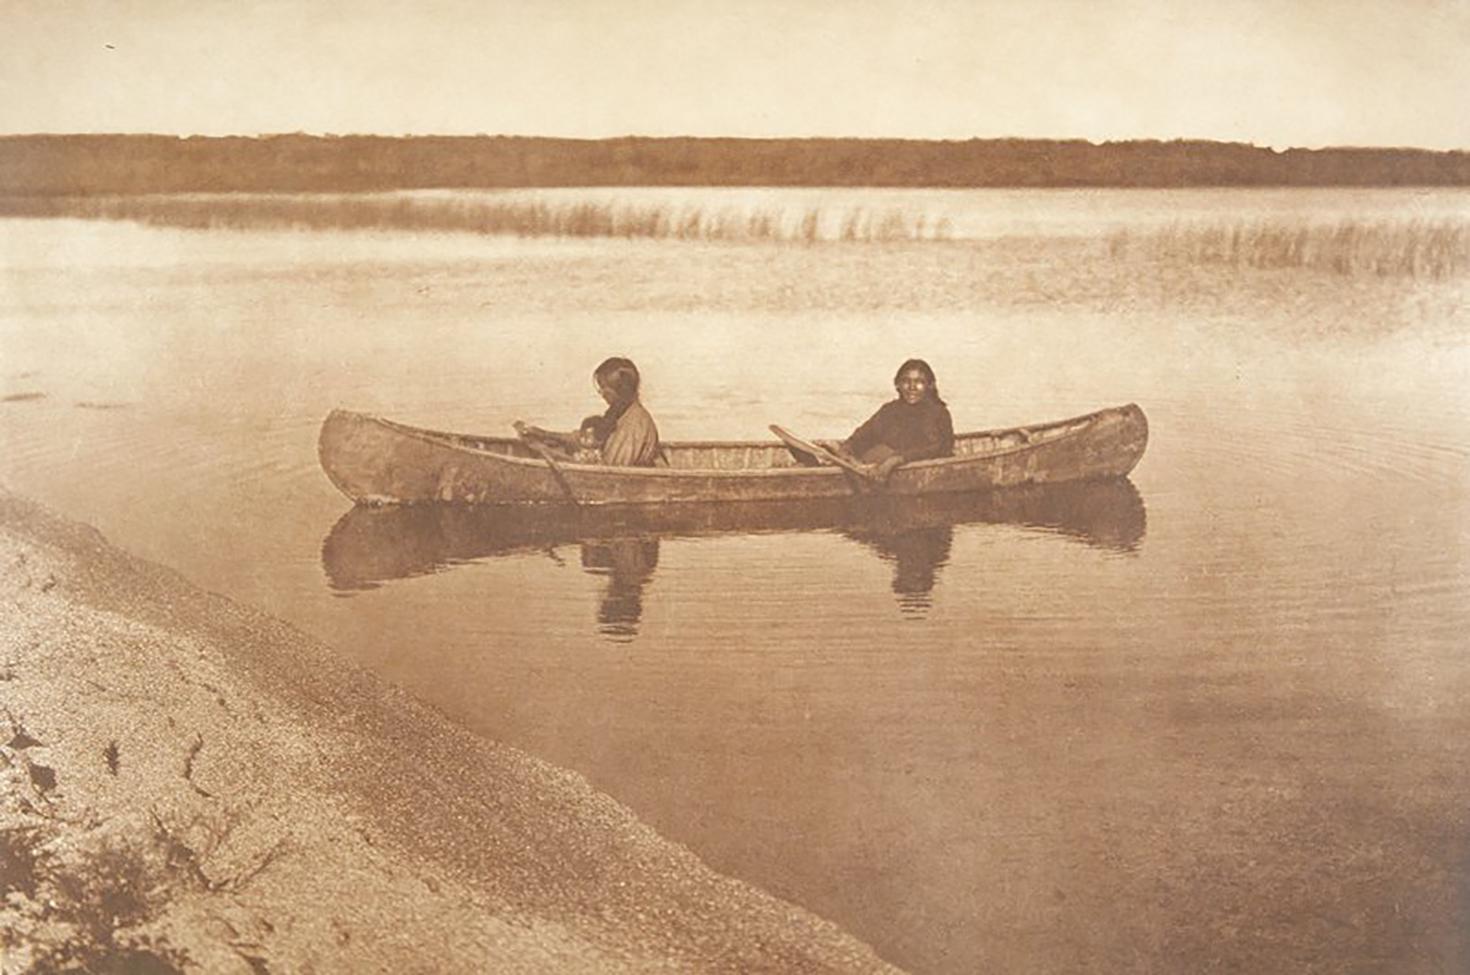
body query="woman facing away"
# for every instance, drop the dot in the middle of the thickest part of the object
(915, 426)
(628, 435)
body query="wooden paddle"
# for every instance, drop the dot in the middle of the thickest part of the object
(556, 471)
(823, 454)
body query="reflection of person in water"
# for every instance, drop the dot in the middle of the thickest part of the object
(628, 564)
(917, 554)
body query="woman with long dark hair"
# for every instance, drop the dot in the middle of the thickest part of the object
(630, 435)
(915, 426)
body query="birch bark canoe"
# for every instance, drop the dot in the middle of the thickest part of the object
(375, 461)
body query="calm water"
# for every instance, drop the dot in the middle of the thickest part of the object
(1211, 718)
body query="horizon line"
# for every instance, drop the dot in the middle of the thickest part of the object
(740, 138)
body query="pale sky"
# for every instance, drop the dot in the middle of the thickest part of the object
(1273, 72)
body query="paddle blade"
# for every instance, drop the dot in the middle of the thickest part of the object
(821, 453)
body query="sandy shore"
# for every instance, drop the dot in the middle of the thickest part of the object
(192, 785)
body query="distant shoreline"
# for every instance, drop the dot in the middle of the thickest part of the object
(80, 165)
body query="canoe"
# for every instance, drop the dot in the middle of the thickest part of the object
(375, 461)
(368, 547)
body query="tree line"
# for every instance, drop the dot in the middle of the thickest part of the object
(56, 165)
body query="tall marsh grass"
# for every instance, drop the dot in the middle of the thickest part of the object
(494, 215)
(1410, 248)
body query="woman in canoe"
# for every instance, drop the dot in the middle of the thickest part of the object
(631, 437)
(915, 426)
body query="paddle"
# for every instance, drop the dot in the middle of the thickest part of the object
(546, 455)
(823, 454)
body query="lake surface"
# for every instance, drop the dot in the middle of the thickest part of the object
(1210, 718)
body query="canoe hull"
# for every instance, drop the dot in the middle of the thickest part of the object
(375, 461)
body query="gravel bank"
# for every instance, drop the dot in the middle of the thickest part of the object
(192, 785)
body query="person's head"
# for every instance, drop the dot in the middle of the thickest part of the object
(915, 382)
(592, 431)
(617, 381)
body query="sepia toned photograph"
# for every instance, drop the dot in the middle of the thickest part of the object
(684, 486)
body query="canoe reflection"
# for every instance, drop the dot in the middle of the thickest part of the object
(370, 546)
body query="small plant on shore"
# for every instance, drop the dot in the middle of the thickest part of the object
(79, 913)
(19, 860)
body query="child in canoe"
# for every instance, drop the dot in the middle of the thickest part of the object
(915, 426)
(582, 447)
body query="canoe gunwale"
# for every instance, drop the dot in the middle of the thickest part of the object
(462, 442)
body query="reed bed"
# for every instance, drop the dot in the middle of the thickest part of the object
(514, 217)
(1420, 249)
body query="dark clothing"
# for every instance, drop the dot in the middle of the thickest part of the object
(916, 432)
